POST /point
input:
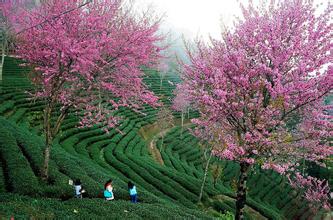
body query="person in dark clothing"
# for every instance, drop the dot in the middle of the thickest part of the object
(78, 189)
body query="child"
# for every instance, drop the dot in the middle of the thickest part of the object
(78, 189)
(132, 192)
(108, 194)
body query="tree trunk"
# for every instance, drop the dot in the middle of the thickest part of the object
(162, 143)
(205, 177)
(182, 119)
(45, 172)
(50, 133)
(3, 45)
(48, 142)
(181, 131)
(241, 191)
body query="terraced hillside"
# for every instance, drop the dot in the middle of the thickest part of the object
(268, 191)
(88, 154)
(94, 156)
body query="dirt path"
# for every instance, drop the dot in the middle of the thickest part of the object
(155, 152)
(151, 133)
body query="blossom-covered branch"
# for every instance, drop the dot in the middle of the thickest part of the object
(262, 87)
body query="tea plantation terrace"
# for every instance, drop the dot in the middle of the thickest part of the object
(165, 191)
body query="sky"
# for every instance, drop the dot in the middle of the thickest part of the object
(197, 17)
(194, 17)
(189, 19)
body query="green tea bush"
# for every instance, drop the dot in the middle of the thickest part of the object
(8, 105)
(21, 178)
(26, 208)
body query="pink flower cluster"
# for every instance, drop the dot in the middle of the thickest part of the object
(279, 168)
(84, 52)
(181, 101)
(317, 191)
(260, 89)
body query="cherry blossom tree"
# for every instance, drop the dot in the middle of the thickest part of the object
(87, 56)
(162, 71)
(164, 120)
(261, 89)
(4, 35)
(207, 156)
(3, 43)
(181, 103)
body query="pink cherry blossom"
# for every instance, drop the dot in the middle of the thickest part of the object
(98, 47)
(260, 89)
(85, 53)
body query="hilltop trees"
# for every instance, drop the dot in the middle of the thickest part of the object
(261, 89)
(4, 36)
(181, 103)
(82, 52)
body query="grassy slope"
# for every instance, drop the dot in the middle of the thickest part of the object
(88, 154)
(94, 157)
(27, 207)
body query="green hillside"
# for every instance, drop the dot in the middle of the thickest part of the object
(165, 191)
